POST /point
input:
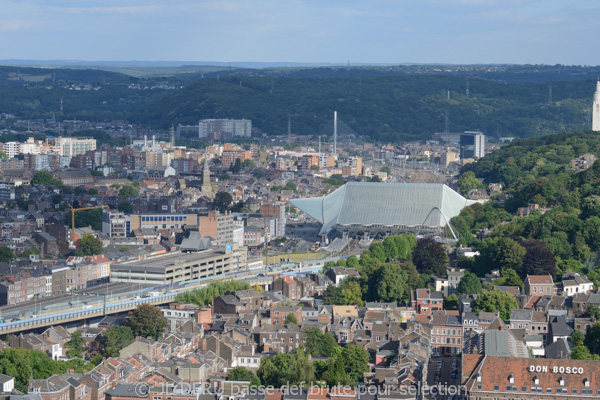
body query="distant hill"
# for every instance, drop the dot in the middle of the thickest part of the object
(389, 108)
(20, 75)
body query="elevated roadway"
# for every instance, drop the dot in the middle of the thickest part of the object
(122, 297)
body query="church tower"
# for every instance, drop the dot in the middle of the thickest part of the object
(596, 109)
(206, 186)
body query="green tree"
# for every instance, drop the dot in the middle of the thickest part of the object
(508, 254)
(495, 301)
(356, 361)
(93, 192)
(512, 278)
(125, 207)
(291, 319)
(45, 178)
(351, 292)
(336, 373)
(386, 169)
(240, 374)
(391, 283)
(468, 181)
(469, 284)
(90, 245)
(6, 254)
(147, 321)
(76, 345)
(577, 338)
(290, 185)
(28, 252)
(594, 312)
(206, 295)
(377, 251)
(302, 370)
(222, 201)
(581, 352)
(236, 166)
(268, 373)
(319, 344)
(248, 163)
(127, 191)
(592, 338)
(451, 302)
(352, 262)
(333, 296)
(315, 168)
(429, 257)
(116, 338)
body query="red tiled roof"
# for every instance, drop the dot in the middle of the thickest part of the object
(497, 370)
(540, 279)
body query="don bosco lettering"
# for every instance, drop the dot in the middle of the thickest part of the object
(556, 370)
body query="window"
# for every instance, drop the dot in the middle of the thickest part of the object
(523, 388)
(496, 387)
(548, 390)
(291, 340)
(573, 391)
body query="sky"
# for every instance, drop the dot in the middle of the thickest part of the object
(307, 31)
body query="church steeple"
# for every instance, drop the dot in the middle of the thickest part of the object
(206, 186)
(596, 109)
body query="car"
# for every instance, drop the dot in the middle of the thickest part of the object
(447, 355)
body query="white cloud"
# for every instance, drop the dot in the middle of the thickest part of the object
(15, 25)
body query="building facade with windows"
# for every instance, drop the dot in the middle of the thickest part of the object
(209, 128)
(494, 377)
(73, 146)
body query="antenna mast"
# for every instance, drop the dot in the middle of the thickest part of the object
(335, 133)
(467, 87)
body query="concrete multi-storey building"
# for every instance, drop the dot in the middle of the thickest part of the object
(73, 146)
(224, 128)
(177, 267)
(472, 144)
(114, 224)
(159, 221)
(218, 226)
(228, 157)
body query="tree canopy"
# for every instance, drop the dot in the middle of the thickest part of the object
(147, 321)
(495, 301)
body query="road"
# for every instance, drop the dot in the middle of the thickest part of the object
(446, 384)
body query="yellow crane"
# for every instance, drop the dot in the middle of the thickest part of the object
(81, 209)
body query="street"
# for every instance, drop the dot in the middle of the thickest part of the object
(441, 373)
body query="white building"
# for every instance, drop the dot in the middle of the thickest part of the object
(596, 109)
(73, 146)
(11, 149)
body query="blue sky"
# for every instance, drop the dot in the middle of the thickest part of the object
(336, 31)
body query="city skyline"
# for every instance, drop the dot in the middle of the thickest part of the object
(379, 32)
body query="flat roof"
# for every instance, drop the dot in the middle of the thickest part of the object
(166, 260)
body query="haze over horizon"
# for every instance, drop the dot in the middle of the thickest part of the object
(302, 31)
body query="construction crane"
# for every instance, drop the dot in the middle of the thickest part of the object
(81, 209)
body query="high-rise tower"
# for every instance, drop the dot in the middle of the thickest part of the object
(596, 109)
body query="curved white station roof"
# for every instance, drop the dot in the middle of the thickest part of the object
(384, 204)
